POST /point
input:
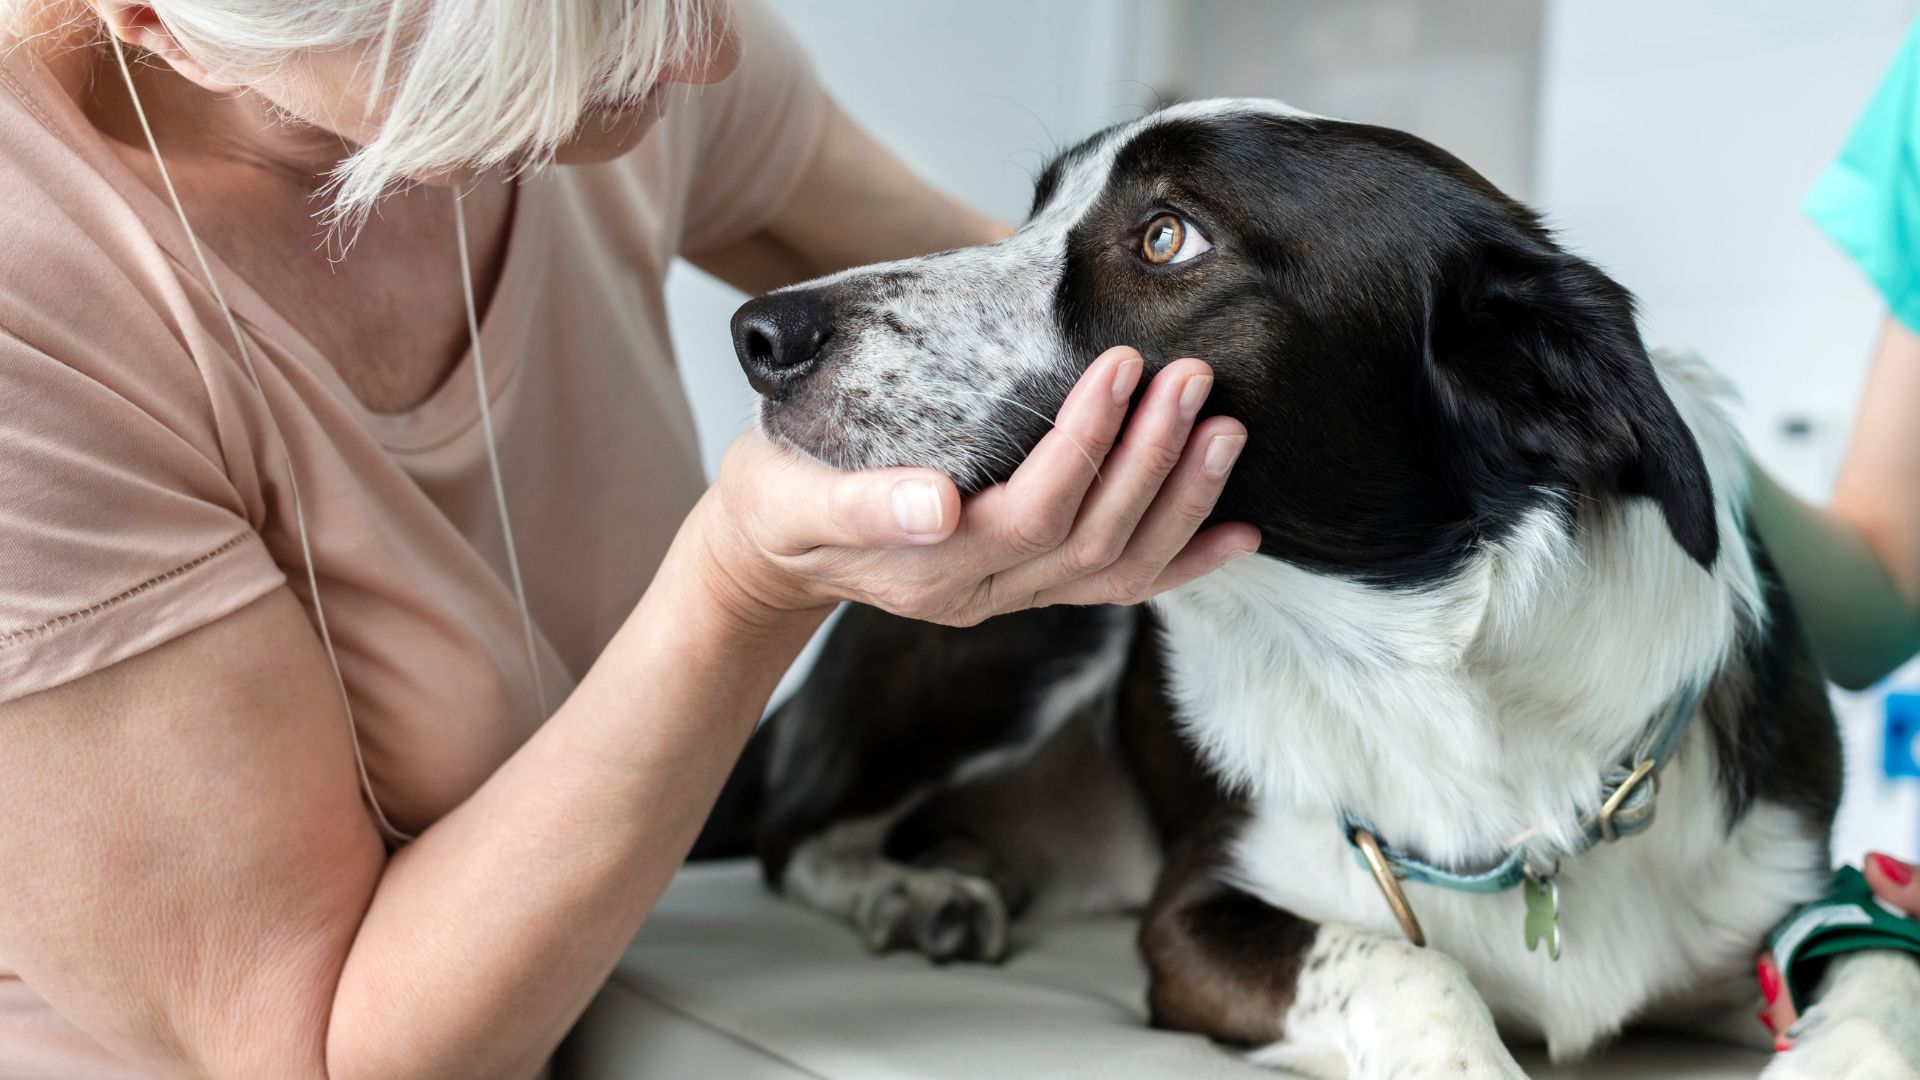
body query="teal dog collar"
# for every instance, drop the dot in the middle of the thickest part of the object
(1627, 801)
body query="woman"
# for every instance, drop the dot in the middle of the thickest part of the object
(192, 879)
(1853, 568)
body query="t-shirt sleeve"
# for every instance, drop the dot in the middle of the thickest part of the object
(119, 528)
(1868, 200)
(760, 130)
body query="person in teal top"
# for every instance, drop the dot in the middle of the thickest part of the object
(1853, 566)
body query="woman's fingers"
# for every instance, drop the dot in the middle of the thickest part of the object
(1778, 1013)
(1165, 532)
(1206, 552)
(1103, 524)
(1033, 512)
(1154, 443)
(1893, 881)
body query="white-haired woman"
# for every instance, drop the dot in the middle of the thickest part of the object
(217, 473)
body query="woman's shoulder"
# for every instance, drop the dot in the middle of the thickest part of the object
(116, 506)
(52, 184)
(83, 282)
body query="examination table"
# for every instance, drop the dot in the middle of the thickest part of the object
(728, 982)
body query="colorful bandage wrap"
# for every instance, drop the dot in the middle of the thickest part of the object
(1848, 919)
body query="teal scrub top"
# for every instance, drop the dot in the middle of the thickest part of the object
(1868, 201)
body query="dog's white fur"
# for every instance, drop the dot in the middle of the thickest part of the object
(1459, 718)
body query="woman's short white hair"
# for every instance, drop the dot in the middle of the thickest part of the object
(466, 84)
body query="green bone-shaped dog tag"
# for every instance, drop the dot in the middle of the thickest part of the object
(1543, 914)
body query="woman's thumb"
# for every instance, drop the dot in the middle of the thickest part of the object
(884, 508)
(801, 504)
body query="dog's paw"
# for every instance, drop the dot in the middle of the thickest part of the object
(940, 913)
(1368, 1007)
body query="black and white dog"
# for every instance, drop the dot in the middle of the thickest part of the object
(1500, 543)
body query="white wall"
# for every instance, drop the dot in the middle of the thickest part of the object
(1462, 74)
(1676, 142)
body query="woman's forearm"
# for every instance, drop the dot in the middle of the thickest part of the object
(1853, 568)
(488, 935)
(1859, 621)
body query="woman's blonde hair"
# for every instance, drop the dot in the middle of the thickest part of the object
(464, 84)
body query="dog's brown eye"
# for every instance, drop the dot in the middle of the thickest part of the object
(1171, 239)
(1165, 234)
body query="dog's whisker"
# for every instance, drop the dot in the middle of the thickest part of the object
(1005, 400)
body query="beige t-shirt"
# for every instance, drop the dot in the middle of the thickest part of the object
(143, 485)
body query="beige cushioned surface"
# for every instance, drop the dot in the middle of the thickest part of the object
(726, 981)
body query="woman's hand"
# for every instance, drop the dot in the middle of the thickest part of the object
(1894, 882)
(1089, 517)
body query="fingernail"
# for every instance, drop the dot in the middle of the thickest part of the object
(1241, 554)
(1769, 980)
(1194, 394)
(1766, 1021)
(1222, 451)
(1125, 377)
(1896, 871)
(1782, 1044)
(916, 507)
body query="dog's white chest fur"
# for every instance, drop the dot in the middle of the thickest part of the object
(1458, 716)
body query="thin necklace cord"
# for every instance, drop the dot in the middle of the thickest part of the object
(392, 834)
(493, 452)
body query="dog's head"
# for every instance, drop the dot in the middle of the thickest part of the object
(1416, 361)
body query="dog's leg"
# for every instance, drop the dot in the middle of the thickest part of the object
(885, 806)
(1864, 1024)
(944, 873)
(941, 912)
(1322, 1000)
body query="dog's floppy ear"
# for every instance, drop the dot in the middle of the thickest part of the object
(1537, 360)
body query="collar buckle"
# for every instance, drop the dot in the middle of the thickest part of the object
(1641, 774)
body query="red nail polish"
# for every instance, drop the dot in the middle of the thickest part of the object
(1782, 1045)
(1769, 980)
(1766, 1021)
(1897, 872)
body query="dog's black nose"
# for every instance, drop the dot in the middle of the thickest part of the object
(779, 337)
